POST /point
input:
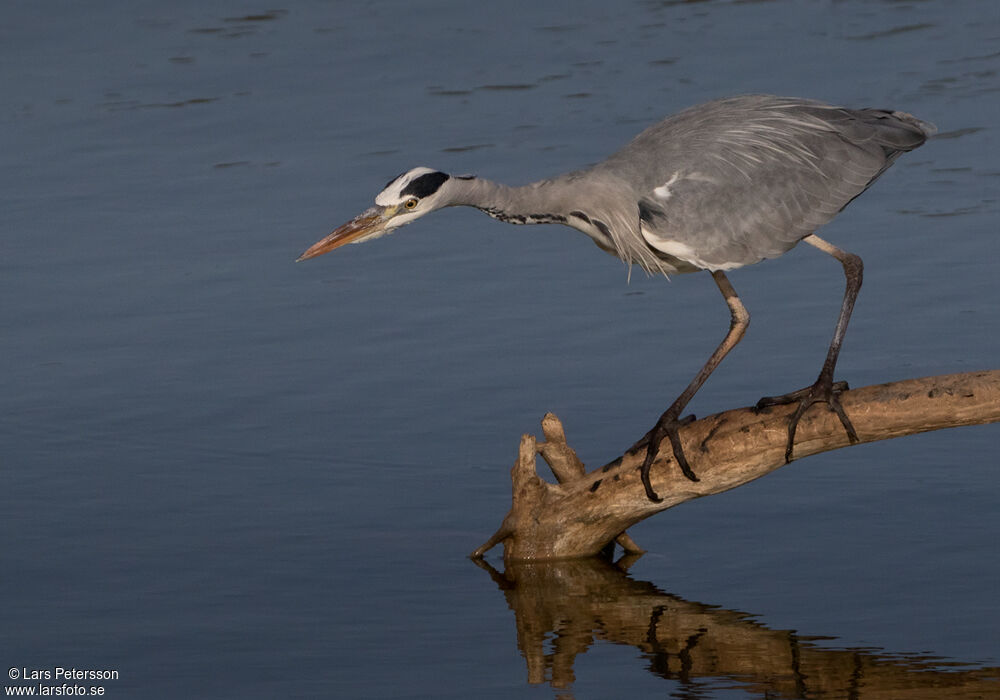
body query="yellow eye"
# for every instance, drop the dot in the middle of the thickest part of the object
(410, 203)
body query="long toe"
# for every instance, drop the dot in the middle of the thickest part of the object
(821, 392)
(666, 428)
(834, 389)
(651, 451)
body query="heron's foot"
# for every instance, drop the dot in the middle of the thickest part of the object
(666, 427)
(823, 391)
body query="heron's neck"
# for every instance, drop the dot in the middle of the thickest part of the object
(538, 203)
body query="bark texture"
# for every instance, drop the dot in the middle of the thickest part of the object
(587, 511)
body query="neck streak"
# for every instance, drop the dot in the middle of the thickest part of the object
(537, 203)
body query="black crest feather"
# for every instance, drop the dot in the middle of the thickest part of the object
(425, 185)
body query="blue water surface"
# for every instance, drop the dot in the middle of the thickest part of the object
(227, 475)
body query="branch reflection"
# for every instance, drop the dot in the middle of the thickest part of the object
(562, 608)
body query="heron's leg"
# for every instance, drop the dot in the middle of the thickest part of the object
(670, 421)
(825, 390)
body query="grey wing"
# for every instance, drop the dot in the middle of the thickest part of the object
(730, 183)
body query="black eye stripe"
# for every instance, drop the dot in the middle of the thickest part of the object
(425, 185)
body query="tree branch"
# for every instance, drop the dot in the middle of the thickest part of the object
(585, 512)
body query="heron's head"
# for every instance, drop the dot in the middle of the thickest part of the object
(405, 198)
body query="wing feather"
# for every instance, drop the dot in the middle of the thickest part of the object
(739, 180)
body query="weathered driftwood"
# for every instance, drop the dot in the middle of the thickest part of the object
(563, 609)
(587, 511)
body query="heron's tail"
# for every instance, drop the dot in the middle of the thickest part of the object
(895, 132)
(926, 128)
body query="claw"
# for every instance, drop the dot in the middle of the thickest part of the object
(823, 391)
(667, 427)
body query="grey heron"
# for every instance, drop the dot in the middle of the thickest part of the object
(715, 187)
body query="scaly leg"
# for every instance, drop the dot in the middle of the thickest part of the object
(825, 390)
(670, 421)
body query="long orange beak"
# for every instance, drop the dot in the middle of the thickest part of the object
(368, 223)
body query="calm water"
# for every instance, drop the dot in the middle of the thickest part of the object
(230, 476)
